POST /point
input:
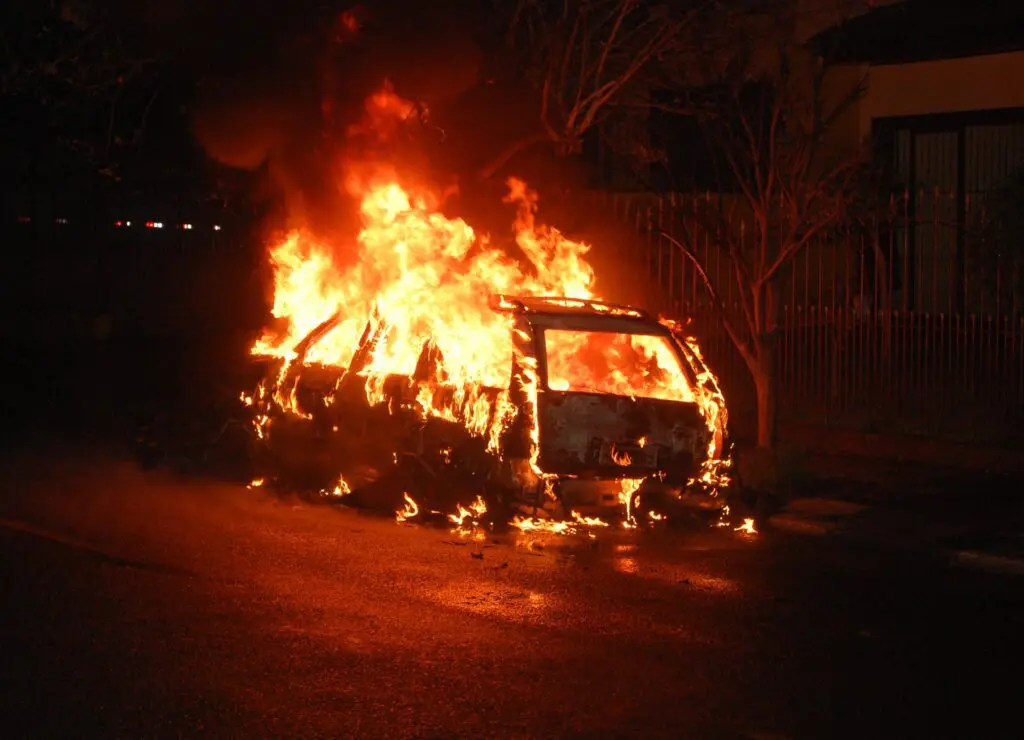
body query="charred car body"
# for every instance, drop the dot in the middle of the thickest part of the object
(571, 431)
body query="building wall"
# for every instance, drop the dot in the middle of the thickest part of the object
(953, 166)
(814, 16)
(946, 86)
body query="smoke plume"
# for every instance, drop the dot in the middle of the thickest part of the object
(311, 104)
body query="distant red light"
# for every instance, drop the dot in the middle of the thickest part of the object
(349, 21)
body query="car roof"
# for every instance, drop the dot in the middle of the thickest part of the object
(562, 305)
(577, 314)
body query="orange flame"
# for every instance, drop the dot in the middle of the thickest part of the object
(421, 280)
(410, 510)
(620, 458)
(577, 523)
(747, 527)
(341, 488)
(627, 488)
(426, 278)
(466, 520)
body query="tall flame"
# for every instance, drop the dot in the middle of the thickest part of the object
(423, 278)
(418, 282)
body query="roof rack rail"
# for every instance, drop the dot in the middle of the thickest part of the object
(538, 304)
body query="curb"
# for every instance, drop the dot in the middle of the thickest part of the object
(974, 559)
(992, 563)
(814, 516)
(801, 525)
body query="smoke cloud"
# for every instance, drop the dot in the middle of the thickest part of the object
(300, 99)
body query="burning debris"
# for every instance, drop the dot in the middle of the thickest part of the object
(408, 511)
(411, 379)
(747, 527)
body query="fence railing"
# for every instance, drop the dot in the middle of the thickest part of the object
(910, 321)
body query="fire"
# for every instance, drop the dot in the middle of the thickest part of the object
(467, 520)
(588, 521)
(410, 510)
(415, 283)
(747, 527)
(619, 364)
(341, 488)
(627, 488)
(714, 472)
(422, 278)
(620, 458)
(543, 525)
(577, 523)
(723, 518)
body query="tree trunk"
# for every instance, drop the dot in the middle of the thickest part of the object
(764, 385)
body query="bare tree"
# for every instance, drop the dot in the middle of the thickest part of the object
(590, 59)
(768, 126)
(68, 59)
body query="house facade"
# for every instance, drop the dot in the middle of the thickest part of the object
(943, 110)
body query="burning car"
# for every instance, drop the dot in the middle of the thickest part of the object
(606, 410)
(419, 385)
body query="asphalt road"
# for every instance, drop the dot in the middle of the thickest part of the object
(141, 605)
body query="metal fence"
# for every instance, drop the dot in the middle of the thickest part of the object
(908, 321)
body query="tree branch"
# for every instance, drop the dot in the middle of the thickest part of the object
(491, 168)
(723, 313)
(793, 247)
(624, 7)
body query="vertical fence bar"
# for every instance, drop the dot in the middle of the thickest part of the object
(948, 350)
(971, 354)
(903, 327)
(852, 320)
(1019, 359)
(839, 348)
(937, 234)
(696, 288)
(659, 240)
(841, 354)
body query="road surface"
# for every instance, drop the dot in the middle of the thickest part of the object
(145, 605)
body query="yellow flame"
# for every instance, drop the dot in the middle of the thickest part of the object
(747, 527)
(467, 519)
(627, 488)
(410, 510)
(341, 488)
(575, 524)
(620, 458)
(415, 284)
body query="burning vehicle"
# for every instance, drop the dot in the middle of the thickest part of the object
(412, 378)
